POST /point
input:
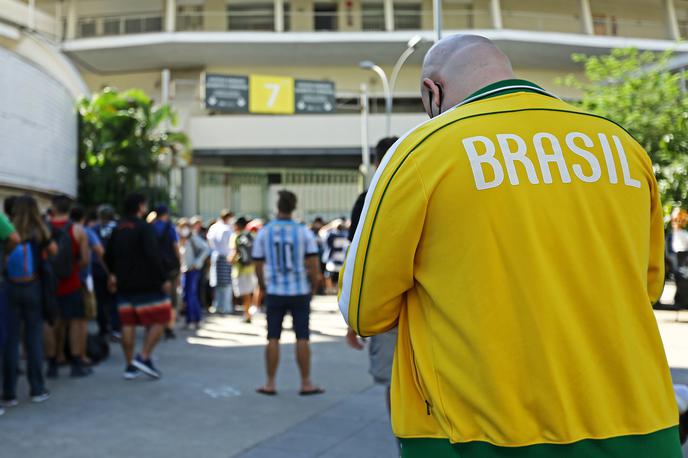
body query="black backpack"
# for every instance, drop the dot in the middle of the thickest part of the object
(170, 261)
(63, 262)
(244, 246)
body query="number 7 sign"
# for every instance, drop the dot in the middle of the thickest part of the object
(271, 94)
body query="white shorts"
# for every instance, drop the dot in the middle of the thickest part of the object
(243, 285)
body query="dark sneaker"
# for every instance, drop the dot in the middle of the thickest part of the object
(169, 334)
(79, 370)
(44, 396)
(52, 369)
(146, 366)
(131, 372)
(8, 403)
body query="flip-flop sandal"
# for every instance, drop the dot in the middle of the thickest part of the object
(312, 392)
(266, 392)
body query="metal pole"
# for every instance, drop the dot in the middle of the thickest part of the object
(437, 16)
(397, 68)
(388, 98)
(365, 143)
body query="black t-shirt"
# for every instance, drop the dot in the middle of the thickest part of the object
(356, 214)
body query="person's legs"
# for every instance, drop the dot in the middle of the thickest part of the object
(303, 359)
(300, 311)
(271, 363)
(275, 316)
(224, 299)
(128, 342)
(103, 304)
(10, 360)
(193, 302)
(33, 333)
(60, 328)
(152, 337)
(78, 332)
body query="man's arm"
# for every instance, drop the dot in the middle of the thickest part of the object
(379, 269)
(260, 273)
(655, 268)
(312, 261)
(258, 254)
(82, 239)
(313, 270)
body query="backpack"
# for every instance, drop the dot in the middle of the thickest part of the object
(63, 262)
(170, 261)
(244, 247)
(21, 264)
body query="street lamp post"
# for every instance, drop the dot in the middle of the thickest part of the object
(388, 84)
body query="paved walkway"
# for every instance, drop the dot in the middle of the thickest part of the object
(205, 404)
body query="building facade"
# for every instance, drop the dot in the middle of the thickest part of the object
(166, 47)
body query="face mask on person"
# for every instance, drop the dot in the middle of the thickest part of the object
(185, 232)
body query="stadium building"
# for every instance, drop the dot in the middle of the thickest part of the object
(269, 90)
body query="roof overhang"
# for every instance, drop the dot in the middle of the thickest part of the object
(132, 53)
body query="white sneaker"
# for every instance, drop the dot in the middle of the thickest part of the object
(41, 397)
(2, 411)
(9, 403)
(131, 372)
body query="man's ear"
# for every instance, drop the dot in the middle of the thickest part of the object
(429, 85)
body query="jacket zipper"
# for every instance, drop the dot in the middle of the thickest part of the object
(419, 386)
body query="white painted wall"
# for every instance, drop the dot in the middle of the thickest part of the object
(299, 131)
(38, 132)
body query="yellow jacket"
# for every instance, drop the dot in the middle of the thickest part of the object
(517, 243)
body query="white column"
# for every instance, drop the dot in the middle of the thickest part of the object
(673, 30)
(436, 21)
(170, 8)
(586, 17)
(71, 19)
(496, 13)
(279, 15)
(389, 15)
(31, 20)
(189, 190)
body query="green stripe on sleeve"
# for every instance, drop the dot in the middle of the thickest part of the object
(660, 444)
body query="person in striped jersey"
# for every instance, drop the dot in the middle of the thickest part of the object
(285, 254)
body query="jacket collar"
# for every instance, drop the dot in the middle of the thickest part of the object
(505, 87)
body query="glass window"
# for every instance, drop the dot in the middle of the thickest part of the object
(325, 16)
(87, 28)
(373, 16)
(112, 26)
(407, 16)
(253, 16)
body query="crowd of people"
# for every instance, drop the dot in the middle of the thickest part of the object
(68, 268)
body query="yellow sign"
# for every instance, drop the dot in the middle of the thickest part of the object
(271, 94)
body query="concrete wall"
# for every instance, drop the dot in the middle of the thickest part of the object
(38, 135)
(631, 18)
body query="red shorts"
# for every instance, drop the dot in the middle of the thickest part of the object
(144, 309)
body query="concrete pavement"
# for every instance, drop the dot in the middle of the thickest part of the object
(205, 404)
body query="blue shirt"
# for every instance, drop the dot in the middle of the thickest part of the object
(284, 245)
(93, 240)
(161, 226)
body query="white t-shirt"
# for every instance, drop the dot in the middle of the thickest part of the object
(218, 238)
(679, 241)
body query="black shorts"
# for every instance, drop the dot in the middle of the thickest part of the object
(298, 306)
(71, 306)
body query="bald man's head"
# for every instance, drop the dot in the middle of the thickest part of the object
(457, 66)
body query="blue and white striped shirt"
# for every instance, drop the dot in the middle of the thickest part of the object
(283, 245)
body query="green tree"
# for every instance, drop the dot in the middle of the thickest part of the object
(125, 145)
(635, 90)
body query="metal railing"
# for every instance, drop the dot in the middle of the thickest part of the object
(360, 21)
(541, 22)
(97, 26)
